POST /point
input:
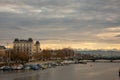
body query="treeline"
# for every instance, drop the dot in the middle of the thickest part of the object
(44, 55)
(49, 54)
(55, 54)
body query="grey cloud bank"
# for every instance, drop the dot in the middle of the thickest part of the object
(74, 20)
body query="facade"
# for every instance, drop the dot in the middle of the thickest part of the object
(2, 53)
(26, 46)
(37, 47)
(2, 50)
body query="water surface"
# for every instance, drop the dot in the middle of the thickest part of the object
(90, 71)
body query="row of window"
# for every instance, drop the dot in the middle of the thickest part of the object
(23, 50)
(19, 44)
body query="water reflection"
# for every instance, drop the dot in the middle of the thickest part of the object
(31, 77)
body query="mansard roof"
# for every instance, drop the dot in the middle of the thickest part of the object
(2, 47)
(30, 39)
(23, 40)
(37, 42)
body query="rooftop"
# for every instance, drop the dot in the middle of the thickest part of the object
(23, 40)
(2, 47)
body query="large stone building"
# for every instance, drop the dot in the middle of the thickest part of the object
(26, 46)
(2, 52)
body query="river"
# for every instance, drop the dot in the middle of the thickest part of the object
(90, 71)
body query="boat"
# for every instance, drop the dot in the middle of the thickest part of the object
(7, 68)
(34, 67)
(26, 67)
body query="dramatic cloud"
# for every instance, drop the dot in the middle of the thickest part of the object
(86, 22)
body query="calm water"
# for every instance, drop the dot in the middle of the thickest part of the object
(90, 71)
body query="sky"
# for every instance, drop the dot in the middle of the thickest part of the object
(79, 24)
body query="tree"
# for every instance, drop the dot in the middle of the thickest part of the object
(20, 57)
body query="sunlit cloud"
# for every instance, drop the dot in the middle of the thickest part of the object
(116, 28)
(80, 45)
(18, 8)
(108, 35)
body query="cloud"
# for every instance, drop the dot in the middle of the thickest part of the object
(117, 35)
(115, 28)
(18, 8)
(67, 20)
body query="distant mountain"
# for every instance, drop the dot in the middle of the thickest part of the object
(100, 52)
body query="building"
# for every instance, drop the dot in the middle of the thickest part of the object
(26, 46)
(2, 49)
(2, 53)
(37, 47)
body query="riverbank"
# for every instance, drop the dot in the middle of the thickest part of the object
(36, 65)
